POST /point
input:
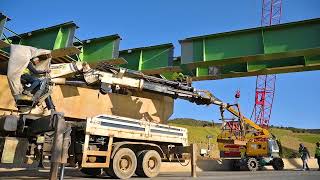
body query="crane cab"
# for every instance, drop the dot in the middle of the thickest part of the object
(267, 148)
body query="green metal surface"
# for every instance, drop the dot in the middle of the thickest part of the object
(288, 65)
(148, 58)
(99, 49)
(284, 48)
(259, 44)
(55, 37)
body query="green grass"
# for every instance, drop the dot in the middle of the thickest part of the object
(280, 132)
(198, 134)
(311, 138)
(290, 141)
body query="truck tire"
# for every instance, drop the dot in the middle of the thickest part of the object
(91, 171)
(149, 163)
(277, 164)
(123, 164)
(140, 155)
(235, 165)
(252, 164)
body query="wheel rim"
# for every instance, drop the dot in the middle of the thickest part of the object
(125, 163)
(152, 163)
(253, 164)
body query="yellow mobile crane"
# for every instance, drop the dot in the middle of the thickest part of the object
(246, 143)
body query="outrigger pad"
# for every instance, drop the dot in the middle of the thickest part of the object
(24, 104)
(40, 125)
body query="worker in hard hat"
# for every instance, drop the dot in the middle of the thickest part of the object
(305, 155)
(178, 76)
(29, 79)
(19, 61)
(317, 154)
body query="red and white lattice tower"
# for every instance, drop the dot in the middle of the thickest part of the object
(271, 12)
(265, 84)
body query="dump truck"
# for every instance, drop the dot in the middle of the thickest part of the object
(118, 145)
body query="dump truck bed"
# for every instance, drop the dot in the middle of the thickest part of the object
(128, 128)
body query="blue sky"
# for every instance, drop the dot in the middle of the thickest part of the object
(145, 22)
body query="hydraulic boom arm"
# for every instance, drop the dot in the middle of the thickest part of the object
(106, 77)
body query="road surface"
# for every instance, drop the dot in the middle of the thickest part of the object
(22, 174)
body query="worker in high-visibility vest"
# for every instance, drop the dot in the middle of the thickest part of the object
(305, 155)
(317, 154)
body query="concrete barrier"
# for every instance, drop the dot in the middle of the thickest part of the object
(223, 165)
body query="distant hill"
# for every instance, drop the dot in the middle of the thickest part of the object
(290, 137)
(193, 122)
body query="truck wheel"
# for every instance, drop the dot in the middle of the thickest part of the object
(139, 171)
(91, 171)
(235, 165)
(252, 164)
(277, 164)
(149, 163)
(123, 164)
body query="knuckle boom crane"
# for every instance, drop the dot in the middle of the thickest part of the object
(259, 146)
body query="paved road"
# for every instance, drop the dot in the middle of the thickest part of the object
(215, 175)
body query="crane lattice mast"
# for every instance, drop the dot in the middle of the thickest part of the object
(265, 84)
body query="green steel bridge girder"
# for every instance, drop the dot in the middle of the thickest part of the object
(291, 44)
(60, 38)
(99, 49)
(150, 60)
(51, 38)
(288, 65)
(283, 48)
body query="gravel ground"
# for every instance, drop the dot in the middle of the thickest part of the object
(20, 174)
